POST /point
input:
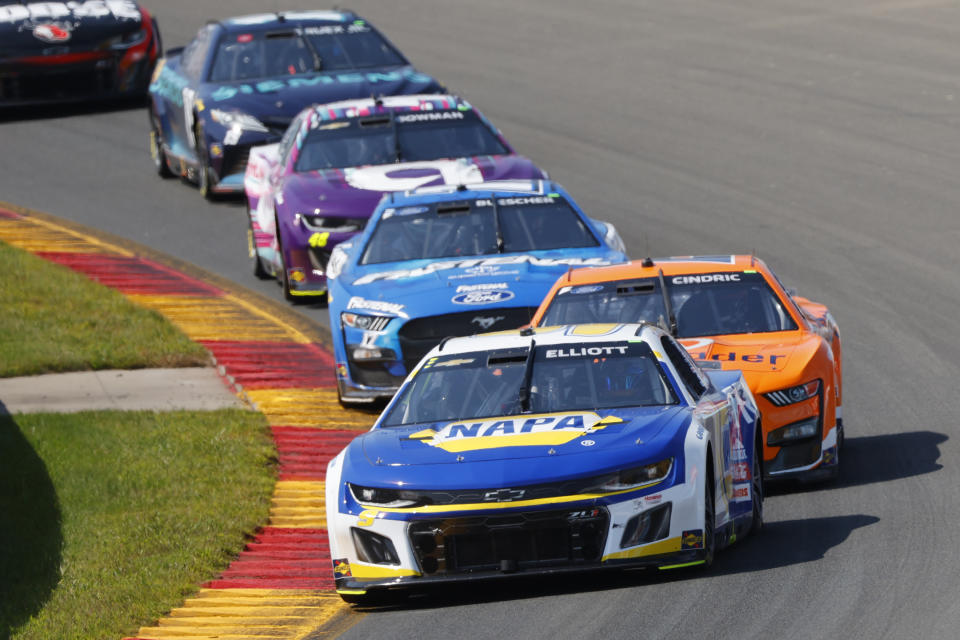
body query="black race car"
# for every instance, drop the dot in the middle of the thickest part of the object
(71, 51)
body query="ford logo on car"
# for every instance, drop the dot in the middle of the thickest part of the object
(482, 297)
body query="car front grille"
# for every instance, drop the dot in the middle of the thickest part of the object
(59, 82)
(420, 335)
(514, 542)
(234, 160)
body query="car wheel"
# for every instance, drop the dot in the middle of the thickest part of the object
(205, 180)
(282, 277)
(258, 269)
(709, 520)
(840, 435)
(757, 487)
(156, 151)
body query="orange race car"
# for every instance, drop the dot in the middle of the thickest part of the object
(731, 310)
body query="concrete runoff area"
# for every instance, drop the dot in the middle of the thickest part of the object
(194, 388)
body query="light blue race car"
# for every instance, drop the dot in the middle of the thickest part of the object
(450, 261)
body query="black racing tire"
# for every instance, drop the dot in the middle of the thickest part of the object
(709, 518)
(205, 180)
(156, 150)
(841, 436)
(282, 276)
(757, 488)
(258, 269)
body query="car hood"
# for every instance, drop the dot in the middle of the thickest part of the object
(73, 27)
(770, 352)
(277, 100)
(355, 191)
(515, 450)
(485, 283)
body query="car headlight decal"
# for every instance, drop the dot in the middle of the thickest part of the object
(793, 395)
(793, 432)
(237, 119)
(375, 496)
(364, 322)
(633, 477)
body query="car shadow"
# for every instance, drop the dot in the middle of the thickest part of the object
(52, 110)
(780, 544)
(874, 459)
(31, 536)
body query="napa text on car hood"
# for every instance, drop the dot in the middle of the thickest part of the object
(515, 450)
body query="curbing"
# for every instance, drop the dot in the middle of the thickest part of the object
(281, 586)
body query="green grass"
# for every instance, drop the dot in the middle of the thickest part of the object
(54, 319)
(107, 519)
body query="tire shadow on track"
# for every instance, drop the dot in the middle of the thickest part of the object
(874, 459)
(31, 536)
(779, 544)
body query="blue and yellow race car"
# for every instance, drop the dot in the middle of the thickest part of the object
(241, 81)
(546, 450)
(450, 260)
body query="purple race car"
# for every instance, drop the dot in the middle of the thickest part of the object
(318, 186)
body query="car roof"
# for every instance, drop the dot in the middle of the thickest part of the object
(261, 21)
(674, 265)
(584, 334)
(492, 188)
(418, 102)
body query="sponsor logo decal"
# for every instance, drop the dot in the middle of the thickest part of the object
(118, 9)
(504, 495)
(516, 431)
(356, 302)
(429, 116)
(575, 352)
(482, 297)
(478, 262)
(51, 32)
(692, 539)
(486, 323)
(341, 568)
(317, 80)
(706, 278)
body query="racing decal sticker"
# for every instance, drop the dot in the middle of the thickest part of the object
(356, 302)
(482, 297)
(118, 9)
(519, 431)
(477, 262)
(269, 86)
(51, 32)
(706, 278)
(410, 175)
(579, 352)
(341, 568)
(692, 539)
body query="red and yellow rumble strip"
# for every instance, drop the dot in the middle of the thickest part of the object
(281, 586)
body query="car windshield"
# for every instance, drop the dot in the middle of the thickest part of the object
(565, 377)
(476, 227)
(704, 304)
(395, 137)
(247, 56)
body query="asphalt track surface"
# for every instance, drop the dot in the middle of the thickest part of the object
(824, 136)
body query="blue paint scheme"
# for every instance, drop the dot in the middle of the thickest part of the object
(460, 488)
(181, 102)
(421, 288)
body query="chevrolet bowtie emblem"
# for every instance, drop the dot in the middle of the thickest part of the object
(503, 495)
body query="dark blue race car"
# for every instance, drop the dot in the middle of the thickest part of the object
(450, 261)
(240, 82)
